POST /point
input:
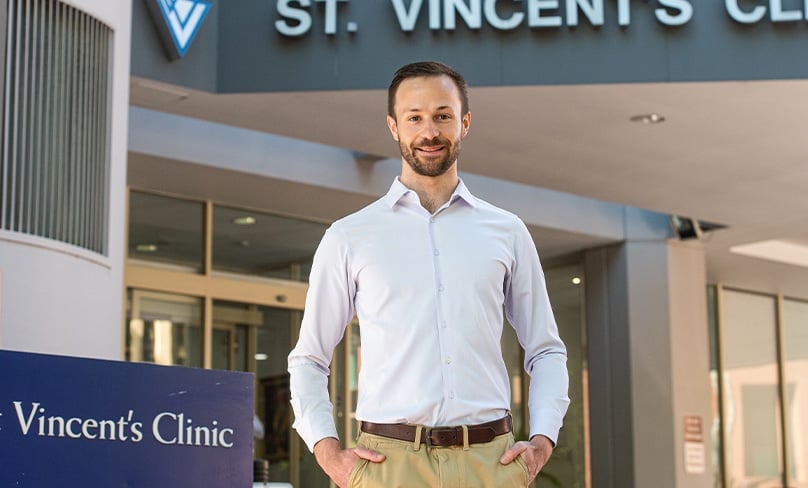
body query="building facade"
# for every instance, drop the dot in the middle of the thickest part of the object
(168, 169)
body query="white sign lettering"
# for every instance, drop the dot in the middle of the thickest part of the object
(296, 17)
(775, 9)
(181, 431)
(168, 428)
(497, 22)
(683, 8)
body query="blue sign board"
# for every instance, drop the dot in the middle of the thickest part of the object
(85, 422)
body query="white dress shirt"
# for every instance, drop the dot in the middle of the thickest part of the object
(429, 291)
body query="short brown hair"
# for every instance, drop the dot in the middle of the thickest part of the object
(427, 68)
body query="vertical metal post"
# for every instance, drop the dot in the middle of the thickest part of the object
(719, 333)
(295, 445)
(80, 131)
(38, 109)
(70, 215)
(5, 75)
(53, 121)
(59, 160)
(106, 117)
(23, 161)
(12, 161)
(783, 390)
(207, 265)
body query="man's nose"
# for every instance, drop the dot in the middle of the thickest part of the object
(431, 129)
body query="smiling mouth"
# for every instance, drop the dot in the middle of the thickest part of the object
(431, 149)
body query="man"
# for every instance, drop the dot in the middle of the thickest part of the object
(427, 269)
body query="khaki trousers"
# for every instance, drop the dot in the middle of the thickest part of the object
(410, 466)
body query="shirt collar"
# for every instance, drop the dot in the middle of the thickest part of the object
(398, 191)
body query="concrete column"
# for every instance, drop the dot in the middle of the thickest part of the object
(649, 363)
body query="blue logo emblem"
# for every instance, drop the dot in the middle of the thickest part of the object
(178, 22)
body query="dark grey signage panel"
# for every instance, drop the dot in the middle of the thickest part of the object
(298, 45)
(151, 58)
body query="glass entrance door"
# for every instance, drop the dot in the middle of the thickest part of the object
(164, 328)
(257, 339)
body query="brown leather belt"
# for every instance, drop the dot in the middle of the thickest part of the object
(440, 436)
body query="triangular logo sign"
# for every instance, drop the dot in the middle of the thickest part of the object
(178, 22)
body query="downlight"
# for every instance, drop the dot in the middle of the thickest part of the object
(648, 119)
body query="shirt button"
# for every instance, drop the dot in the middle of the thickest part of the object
(449, 360)
(443, 324)
(440, 288)
(432, 220)
(451, 394)
(437, 253)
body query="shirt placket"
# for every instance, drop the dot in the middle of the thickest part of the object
(446, 359)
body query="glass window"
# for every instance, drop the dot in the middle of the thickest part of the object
(164, 329)
(265, 245)
(569, 465)
(795, 378)
(258, 338)
(752, 434)
(233, 326)
(344, 387)
(166, 230)
(514, 357)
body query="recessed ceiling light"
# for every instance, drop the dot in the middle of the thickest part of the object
(261, 356)
(244, 220)
(576, 281)
(146, 248)
(652, 118)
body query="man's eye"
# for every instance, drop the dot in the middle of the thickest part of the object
(444, 117)
(414, 118)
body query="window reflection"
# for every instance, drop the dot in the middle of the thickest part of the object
(570, 461)
(164, 329)
(795, 377)
(752, 433)
(166, 230)
(265, 245)
(344, 388)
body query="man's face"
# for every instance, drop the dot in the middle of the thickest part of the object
(428, 124)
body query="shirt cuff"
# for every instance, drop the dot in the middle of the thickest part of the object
(546, 423)
(315, 432)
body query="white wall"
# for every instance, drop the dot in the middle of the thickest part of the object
(55, 298)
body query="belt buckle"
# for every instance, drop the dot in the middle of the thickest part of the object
(427, 436)
(438, 430)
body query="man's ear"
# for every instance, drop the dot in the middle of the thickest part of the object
(393, 126)
(466, 123)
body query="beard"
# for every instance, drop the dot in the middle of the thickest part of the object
(431, 166)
